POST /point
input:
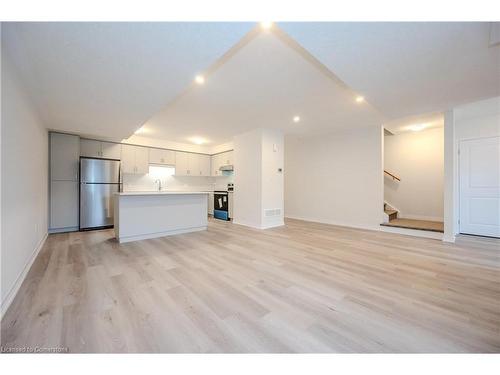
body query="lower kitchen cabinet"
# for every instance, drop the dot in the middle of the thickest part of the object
(211, 203)
(63, 206)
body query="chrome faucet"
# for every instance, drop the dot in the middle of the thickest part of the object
(159, 184)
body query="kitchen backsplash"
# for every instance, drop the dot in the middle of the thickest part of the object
(132, 182)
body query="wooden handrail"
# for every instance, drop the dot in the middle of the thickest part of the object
(393, 177)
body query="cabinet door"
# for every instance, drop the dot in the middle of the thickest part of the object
(63, 204)
(211, 203)
(204, 165)
(90, 148)
(111, 150)
(156, 156)
(214, 165)
(193, 164)
(159, 156)
(64, 157)
(169, 157)
(182, 164)
(227, 158)
(128, 159)
(141, 160)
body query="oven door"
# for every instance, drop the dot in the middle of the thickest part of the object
(221, 205)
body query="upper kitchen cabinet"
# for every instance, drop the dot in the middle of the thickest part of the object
(204, 165)
(135, 159)
(182, 163)
(221, 160)
(111, 150)
(98, 149)
(64, 157)
(159, 156)
(191, 164)
(227, 158)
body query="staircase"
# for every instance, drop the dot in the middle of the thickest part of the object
(390, 212)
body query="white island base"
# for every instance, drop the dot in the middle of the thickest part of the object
(143, 215)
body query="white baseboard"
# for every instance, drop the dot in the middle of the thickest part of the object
(19, 281)
(332, 222)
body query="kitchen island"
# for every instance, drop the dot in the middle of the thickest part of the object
(143, 215)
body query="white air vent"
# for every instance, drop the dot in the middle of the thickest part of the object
(272, 212)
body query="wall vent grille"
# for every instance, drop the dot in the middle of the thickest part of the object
(272, 212)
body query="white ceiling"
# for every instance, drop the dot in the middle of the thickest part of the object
(407, 124)
(264, 84)
(107, 79)
(406, 69)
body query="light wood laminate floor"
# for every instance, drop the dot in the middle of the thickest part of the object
(306, 287)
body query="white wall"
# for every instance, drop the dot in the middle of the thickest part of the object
(474, 120)
(24, 192)
(336, 178)
(248, 179)
(418, 159)
(273, 143)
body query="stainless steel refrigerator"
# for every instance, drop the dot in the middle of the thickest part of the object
(99, 180)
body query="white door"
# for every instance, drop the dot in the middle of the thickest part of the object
(479, 165)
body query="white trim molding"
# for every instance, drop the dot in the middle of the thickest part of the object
(7, 301)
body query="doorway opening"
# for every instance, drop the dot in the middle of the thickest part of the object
(414, 173)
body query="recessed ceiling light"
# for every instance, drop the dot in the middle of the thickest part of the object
(141, 130)
(360, 99)
(296, 119)
(266, 25)
(198, 140)
(417, 127)
(200, 80)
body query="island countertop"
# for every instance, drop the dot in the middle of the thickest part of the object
(164, 192)
(140, 215)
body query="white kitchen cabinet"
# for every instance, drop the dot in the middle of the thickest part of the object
(182, 163)
(64, 157)
(227, 158)
(204, 165)
(194, 164)
(97, 149)
(214, 165)
(191, 164)
(211, 203)
(135, 159)
(63, 206)
(220, 160)
(90, 148)
(111, 150)
(159, 156)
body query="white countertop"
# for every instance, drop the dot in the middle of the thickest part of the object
(125, 193)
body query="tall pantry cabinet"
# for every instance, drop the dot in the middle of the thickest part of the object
(64, 176)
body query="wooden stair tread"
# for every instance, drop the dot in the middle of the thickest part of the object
(390, 212)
